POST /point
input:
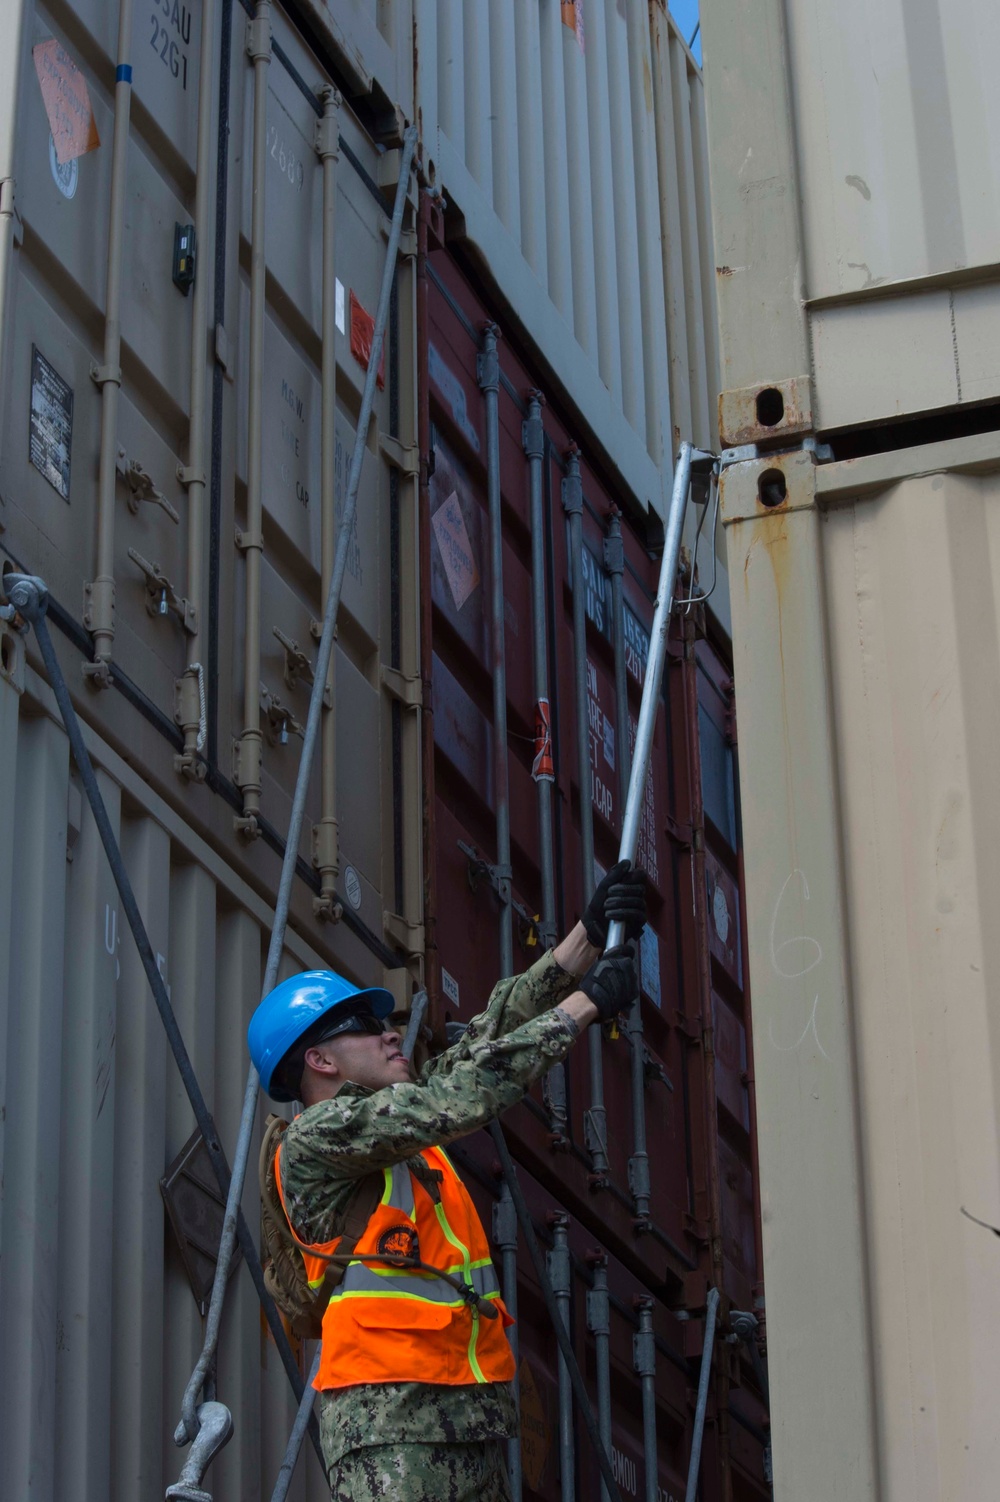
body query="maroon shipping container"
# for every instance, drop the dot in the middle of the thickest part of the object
(702, 1226)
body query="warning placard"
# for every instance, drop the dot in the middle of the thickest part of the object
(51, 438)
(67, 102)
(456, 549)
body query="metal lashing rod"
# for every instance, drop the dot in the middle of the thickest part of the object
(191, 684)
(595, 1121)
(28, 598)
(488, 373)
(99, 594)
(711, 1309)
(599, 1326)
(505, 1237)
(644, 1363)
(188, 1426)
(533, 442)
(326, 851)
(418, 1010)
(249, 747)
(216, 1431)
(686, 456)
(563, 1341)
(561, 1274)
(298, 1434)
(638, 1163)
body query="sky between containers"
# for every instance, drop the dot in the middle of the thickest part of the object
(685, 12)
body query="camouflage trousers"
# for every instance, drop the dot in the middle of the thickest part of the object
(422, 1473)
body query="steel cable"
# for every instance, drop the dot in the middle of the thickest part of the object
(188, 1426)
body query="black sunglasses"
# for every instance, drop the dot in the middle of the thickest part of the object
(361, 1022)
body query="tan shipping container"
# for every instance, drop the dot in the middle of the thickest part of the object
(855, 212)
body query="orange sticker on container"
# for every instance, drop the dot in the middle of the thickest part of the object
(362, 337)
(572, 16)
(67, 102)
(543, 768)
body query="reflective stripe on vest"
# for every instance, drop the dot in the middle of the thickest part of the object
(400, 1324)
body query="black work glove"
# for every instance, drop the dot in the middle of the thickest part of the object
(619, 898)
(611, 982)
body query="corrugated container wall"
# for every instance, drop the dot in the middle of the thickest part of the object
(855, 205)
(174, 444)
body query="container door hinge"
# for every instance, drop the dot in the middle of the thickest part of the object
(404, 456)
(141, 487)
(407, 936)
(698, 1229)
(161, 597)
(408, 691)
(681, 834)
(688, 1027)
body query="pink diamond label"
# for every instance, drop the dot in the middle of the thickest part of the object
(456, 550)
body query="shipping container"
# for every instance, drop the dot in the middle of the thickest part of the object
(855, 211)
(217, 191)
(696, 1226)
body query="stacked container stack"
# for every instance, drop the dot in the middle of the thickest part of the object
(856, 218)
(193, 233)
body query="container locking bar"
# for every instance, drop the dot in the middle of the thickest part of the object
(563, 1341)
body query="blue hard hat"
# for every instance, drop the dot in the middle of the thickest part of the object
(288, 1012)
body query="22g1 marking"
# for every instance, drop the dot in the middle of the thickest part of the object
(168, 51)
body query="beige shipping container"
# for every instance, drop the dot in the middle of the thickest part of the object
(855, 209)
(99, 1326)
(179, 511)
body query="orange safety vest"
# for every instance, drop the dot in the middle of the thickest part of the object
(389, 1324)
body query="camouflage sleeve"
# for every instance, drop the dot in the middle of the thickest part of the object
(353, 1135)
(514, 1001)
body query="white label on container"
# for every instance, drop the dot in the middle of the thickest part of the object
(65, 175)
(449, 985)
(352, 887)
(649, 965)
(339, 306)
(456, 550)
(51, 428)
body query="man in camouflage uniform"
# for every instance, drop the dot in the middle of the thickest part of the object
(415, 1441)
